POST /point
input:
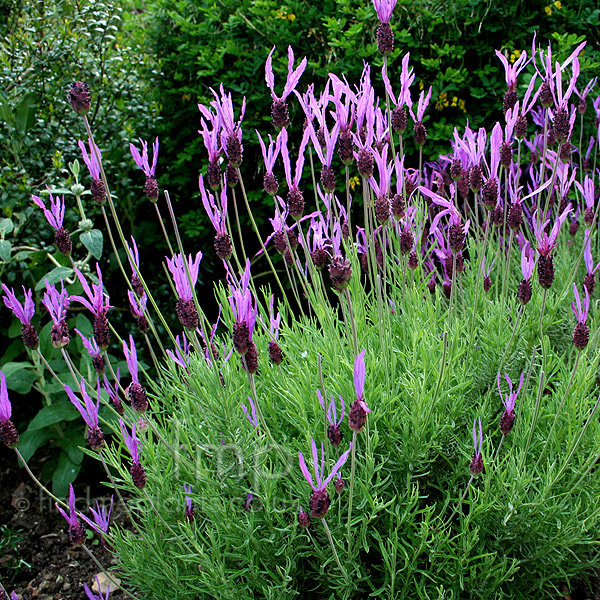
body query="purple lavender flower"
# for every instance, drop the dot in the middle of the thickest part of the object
(185, 307)
(319, 499)
(94, 351)
(231, 132)
(527, 266)
(189, 507)
(581, 335)
(329, 137)
(89, 412)
(101, 520)
(589, 281)
(133, 256)
(420, 130)
(138, 473)
(76, 529)
(275, 352)
(98, 304)
(55, 217)
(295, 199)
(93, 596)
(218, 217)
(9, 435)
(476, 466)
(252, 416)
(113, 392)
(270, 155)
(24, 312)
(588, 193)
(511, 72)
(182, 351)
(359, 409)
(279, 110)
(487, 281)
(243, 309)
(507, 420)
(135, 392)
(97, 188)
(151, 185)
(334, 432)
(137, 307)
(212, 142)
(385, 35)
(57, 304)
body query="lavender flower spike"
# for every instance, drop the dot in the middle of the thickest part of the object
(507, 419)
(476, 466)
(138, 473)
(57, 304)
(581, 335)
(101, 520)
(94, 351)
(55, 217)
(151, 186)
(319, 499)
(76, 529)
(135, 392)
(133, 256)
(359, 409)
(97, 188)
(217, 215)
(189, 507)
(8, 432)
(185, 307)
(251, 417)
(93, 596)
(279, 110)
(89, 412)
(24, 312)
(334, 433)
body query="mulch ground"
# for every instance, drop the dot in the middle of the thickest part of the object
(37, 560)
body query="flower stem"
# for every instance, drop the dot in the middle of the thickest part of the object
(335, 554)
(351, 493)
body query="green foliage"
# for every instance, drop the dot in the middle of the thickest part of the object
(419, 526)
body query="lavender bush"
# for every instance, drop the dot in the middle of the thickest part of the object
(412, 409)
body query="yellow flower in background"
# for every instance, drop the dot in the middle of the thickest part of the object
(421, 85)
(353, 181)
(558, 4)
(291, 17)
(514, 55)
(548, 10)
(462, 106)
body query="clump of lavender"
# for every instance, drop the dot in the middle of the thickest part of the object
(24, 312)
(185, 306)
(476, 466)
(142, 161)
(76, 529)
(138, 473)
(359, 409)
(98, 304)
(385, 35)
(319, 499)
(218, 217)
(279, 109)
(507, 420)
(9, 435)
(89, 412)
(581, 335)
(97, 188)
(135, 392)
(57, 304)
(55, 217)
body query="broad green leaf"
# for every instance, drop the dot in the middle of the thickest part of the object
(5, 248)
(71, 442)
(30, 441)
(57, 274)
(6, 226)
(19, 376)
(55, 413)
(25, 114)
(92, 240)
(66, 472)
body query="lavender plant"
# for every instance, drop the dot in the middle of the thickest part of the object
(210, 450)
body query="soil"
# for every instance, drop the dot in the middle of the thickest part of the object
(37, 560)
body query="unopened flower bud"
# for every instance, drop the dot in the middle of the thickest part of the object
(80, 98)
(339, 484)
